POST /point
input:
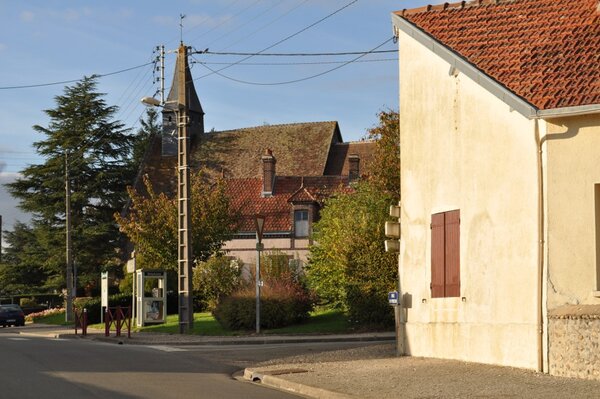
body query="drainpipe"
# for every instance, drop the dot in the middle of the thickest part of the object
(540, 267)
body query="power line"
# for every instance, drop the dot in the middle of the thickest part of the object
(302, 54)
(73, 80)
(292, 63)
(217, 72)
(278, 42)
(250, 34)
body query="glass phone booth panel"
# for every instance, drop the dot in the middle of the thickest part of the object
(151, 297)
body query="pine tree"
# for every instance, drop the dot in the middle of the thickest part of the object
(83, 139)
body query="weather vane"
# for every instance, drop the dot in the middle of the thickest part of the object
(181, 17)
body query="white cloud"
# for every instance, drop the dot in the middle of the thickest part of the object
(8, 205)
(27, 16)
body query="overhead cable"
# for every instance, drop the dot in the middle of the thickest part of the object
(301, 54)
(73, 80)
(217, 72)
(280, 41)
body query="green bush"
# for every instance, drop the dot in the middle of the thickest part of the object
(28, 302)
(370, 275)
(283, 302)
(213, 280)
(369, 308)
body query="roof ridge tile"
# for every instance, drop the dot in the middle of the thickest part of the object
(274, 126)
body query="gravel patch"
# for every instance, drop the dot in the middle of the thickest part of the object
(375, 372)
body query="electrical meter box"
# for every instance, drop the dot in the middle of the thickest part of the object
(151, 297)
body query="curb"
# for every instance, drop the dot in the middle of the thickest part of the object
(294, 387)
(244, 341)
(188, 340)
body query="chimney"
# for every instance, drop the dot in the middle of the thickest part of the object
(268, 167)
(354, 168)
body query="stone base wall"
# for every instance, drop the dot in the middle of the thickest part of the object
(574, 346)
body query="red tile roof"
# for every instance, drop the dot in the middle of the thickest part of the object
(545, 51)
(246, 199)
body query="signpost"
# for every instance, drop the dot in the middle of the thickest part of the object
(103, 294)
(260, 224)
(393, 298)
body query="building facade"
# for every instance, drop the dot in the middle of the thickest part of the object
(499, 121)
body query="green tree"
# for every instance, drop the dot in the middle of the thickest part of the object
(82, 137)
(215, 279)
(385, 167)
(348, 265)
(151, 223)
(19, 271)
(151, 128)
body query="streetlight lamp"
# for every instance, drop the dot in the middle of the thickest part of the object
(184, 219)
(259, 221)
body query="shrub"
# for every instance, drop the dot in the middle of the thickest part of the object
(282, 303)
(370, 276)
(369, 307)
(27, 302)
(215, 279)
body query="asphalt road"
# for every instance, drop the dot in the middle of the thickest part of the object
(32, 367)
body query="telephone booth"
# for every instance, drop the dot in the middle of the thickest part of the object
(151, 297)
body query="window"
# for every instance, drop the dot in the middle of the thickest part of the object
(445, 254)
(301, 223)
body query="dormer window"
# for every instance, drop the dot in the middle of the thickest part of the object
(301, 223)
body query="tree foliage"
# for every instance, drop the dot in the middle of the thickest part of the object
(82, 137)
(151, 222)
(19, 271)
(215, 279)
(385, 167)
(348, 263)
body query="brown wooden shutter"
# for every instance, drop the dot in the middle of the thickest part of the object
(437, 255)
(452, 251)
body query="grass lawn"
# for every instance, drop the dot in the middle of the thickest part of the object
(55, 319)
(321, 321)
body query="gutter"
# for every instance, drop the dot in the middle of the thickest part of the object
(541, 248)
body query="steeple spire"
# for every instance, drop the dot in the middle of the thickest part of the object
(195, 112)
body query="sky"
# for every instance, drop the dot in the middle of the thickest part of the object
(49, 41)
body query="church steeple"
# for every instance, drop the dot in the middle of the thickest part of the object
(195, 112)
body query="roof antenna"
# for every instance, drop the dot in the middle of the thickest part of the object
(181, 17)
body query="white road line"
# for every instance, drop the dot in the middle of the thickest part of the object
(19, 339)
(165, 348)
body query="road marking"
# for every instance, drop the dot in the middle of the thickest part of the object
(165, 348)
(19, 339)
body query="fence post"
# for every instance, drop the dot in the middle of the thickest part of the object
(107, 317)
(129, 323)
(84, 326)
(118, 326)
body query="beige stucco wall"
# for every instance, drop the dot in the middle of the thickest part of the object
(246, 249)
(573, 151)
(462, 148)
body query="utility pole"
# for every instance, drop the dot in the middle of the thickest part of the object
(0, 238)
(186, 311)
(69, 255)
(161, 67)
